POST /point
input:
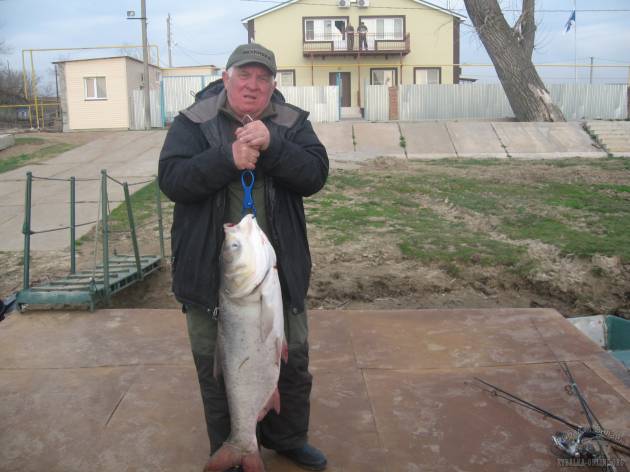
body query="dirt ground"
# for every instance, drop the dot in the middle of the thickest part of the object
(371, 273)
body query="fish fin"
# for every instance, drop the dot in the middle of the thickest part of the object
(272, 404)
(271, 303)
(217, 370)
(282, 350)
(252, 462)
(275, 397)
(226, 457)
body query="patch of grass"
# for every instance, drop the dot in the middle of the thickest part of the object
(389, 205)
(143, 206)
(29, 140)
(579, 219)
(36, 156)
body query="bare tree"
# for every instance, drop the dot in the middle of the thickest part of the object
(510, 49)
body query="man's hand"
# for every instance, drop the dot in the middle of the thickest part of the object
(245, 156)
(254, 134)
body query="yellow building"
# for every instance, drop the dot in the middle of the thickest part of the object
(102, 93)
(406, 42)
(98, 93)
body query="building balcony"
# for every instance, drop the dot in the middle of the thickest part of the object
(374, 44)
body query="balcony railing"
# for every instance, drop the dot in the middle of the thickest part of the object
(370, 44)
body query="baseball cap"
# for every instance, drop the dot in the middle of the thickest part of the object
(252, 53)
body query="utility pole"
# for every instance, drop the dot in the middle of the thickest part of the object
(590, 76)
(145, 60)
(168, 39)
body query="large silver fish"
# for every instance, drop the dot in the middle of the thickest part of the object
(250, 342)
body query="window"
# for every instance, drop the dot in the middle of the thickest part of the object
(387, 77)
(95, 88)
(285, 78)
(309, 30)
(325, 29)
(427, 75)
(385, 28)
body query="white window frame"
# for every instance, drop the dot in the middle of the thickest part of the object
(427, 71)
(91, 89)
(283, 72)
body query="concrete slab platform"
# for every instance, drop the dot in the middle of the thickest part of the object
(427, 140)
(546, 140)
(475, 140)
(116, 390)
(378, 139)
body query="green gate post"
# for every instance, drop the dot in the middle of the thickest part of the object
(160, 222)
(132, 228)
(73, 254)
(26, 229)
(106, 288)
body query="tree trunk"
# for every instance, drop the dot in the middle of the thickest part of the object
(511, 52)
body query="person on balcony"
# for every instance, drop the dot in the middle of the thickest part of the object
(350, 37)
(362, 30)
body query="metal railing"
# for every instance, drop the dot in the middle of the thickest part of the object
(28, 231)
(369, 43)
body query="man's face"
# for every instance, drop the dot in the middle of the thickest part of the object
(249, 89)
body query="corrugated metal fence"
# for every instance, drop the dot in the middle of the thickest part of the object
(488, 101)
(376, 102)
(604, 102)
(321, 102)
(137, 118)
(179, 93)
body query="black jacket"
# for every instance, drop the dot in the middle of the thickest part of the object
(195, 168)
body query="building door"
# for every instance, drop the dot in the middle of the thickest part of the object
(344, 92)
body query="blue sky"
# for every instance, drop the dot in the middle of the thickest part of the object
(206, 31)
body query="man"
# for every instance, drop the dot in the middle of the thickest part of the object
(350, 36)
(362, 30)
(242, 123)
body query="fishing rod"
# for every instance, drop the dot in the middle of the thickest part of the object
(574, 448)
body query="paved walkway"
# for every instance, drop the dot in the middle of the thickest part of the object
(130, 156)
(116, 390)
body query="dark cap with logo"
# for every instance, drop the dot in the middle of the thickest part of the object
(252, 53)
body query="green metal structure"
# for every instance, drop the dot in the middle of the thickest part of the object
(114, 273)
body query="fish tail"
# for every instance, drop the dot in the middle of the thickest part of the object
(226, 457)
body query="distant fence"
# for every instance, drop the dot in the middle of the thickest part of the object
(321, 102)
(178, 93)
(376, 102)
(137, 120)
(488, 101)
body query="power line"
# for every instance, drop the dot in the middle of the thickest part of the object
(187, 55)
(601, 10)
(202, 53)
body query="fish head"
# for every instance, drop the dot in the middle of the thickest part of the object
(245, 256)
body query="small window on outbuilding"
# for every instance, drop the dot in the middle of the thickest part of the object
(95, 88)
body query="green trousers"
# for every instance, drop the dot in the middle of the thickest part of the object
(287, 430)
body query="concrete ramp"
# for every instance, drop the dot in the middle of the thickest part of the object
(475, 140)
(427, 140)
(116, 390)
(378, 139)
(546, 140)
